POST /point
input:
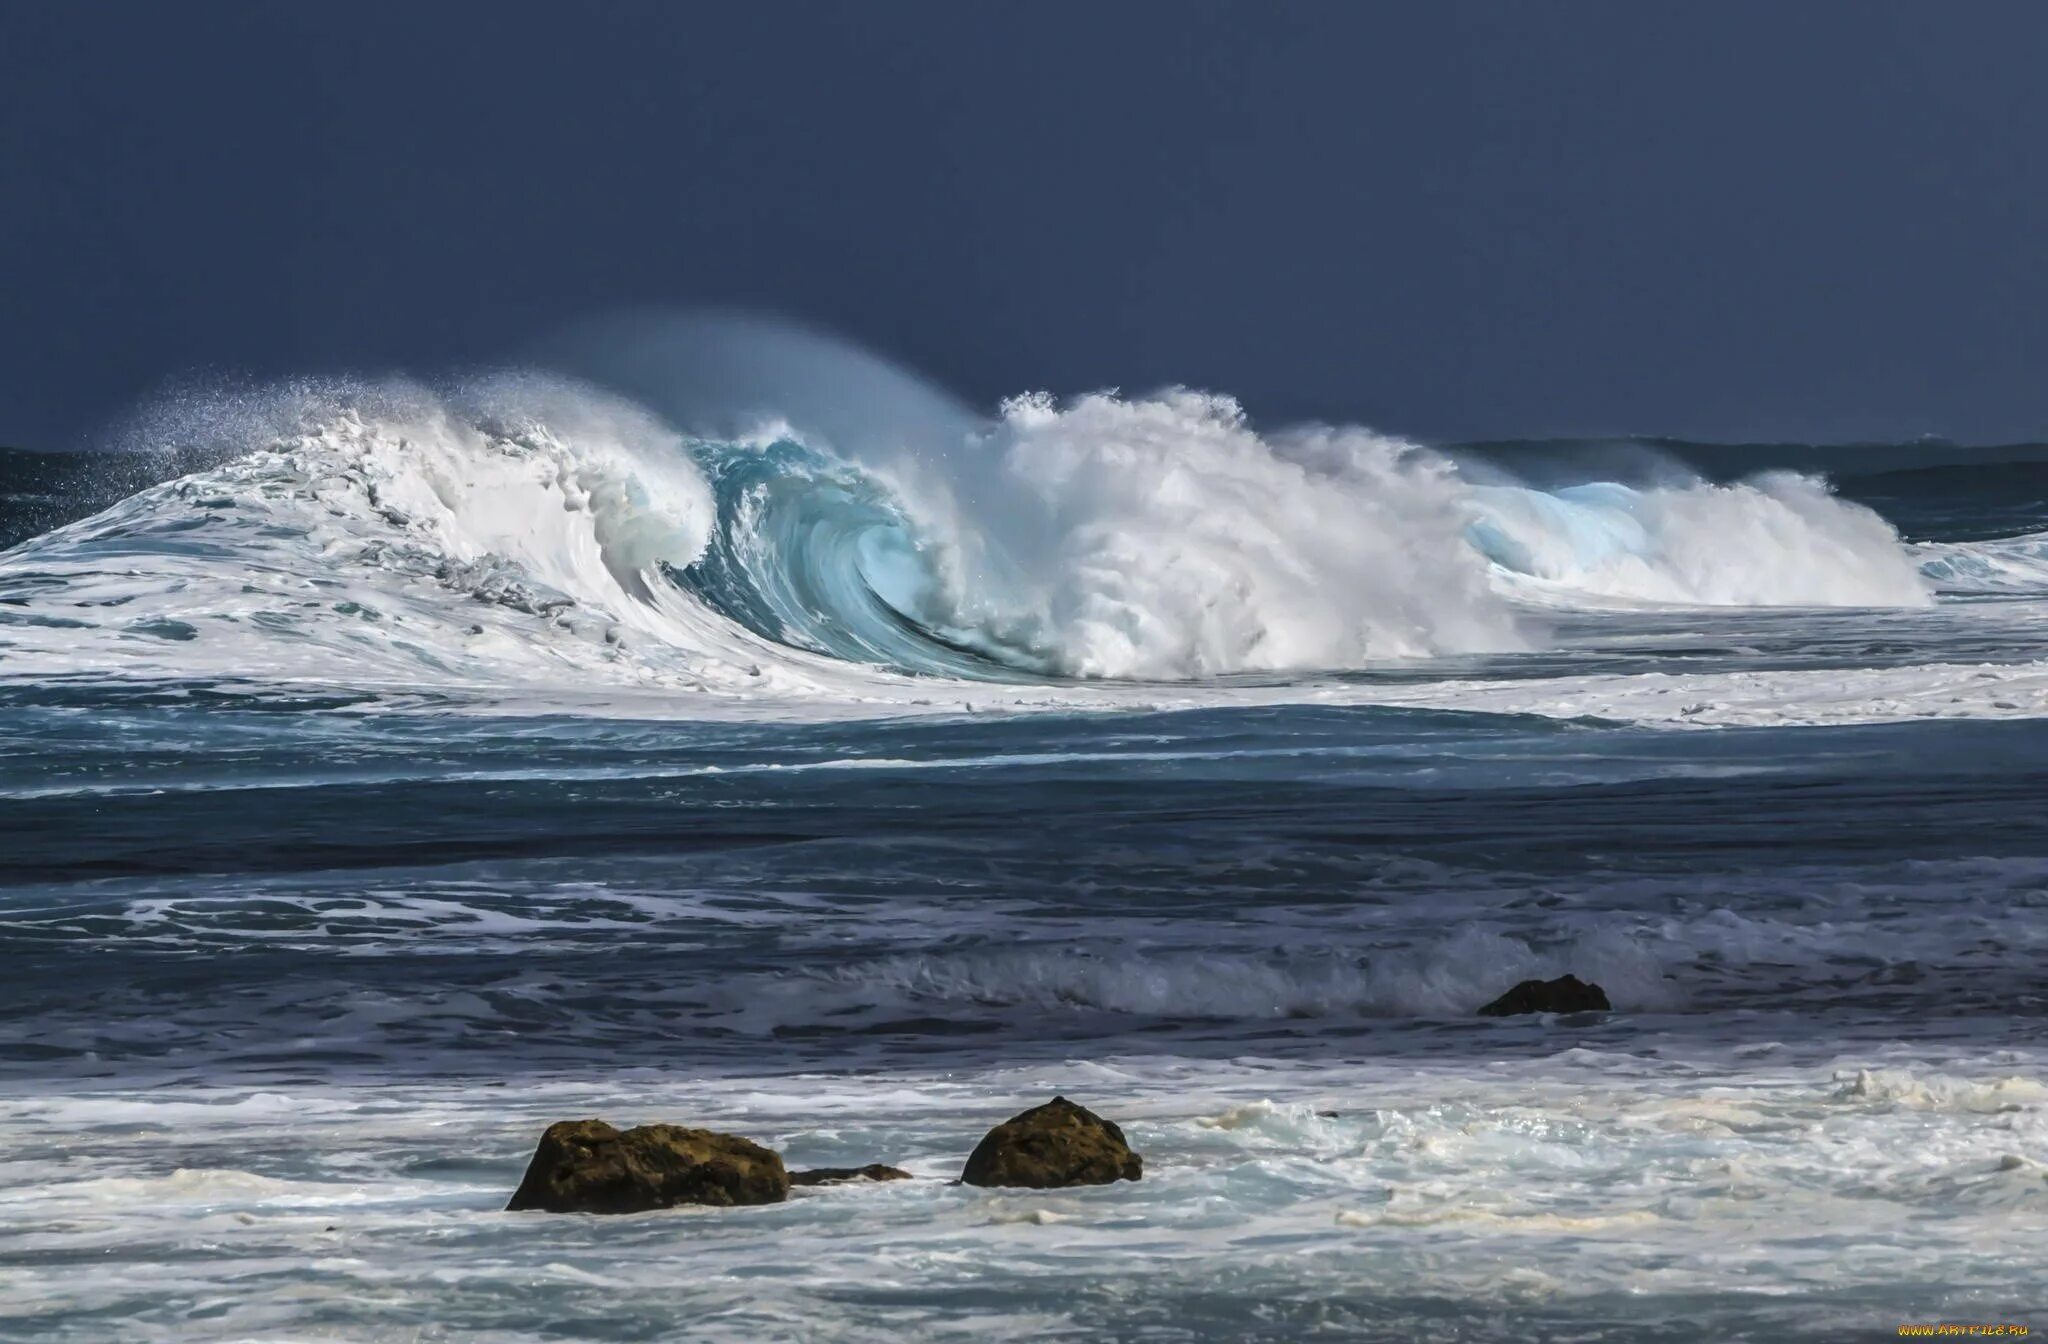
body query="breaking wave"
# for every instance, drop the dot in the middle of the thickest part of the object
(1451, 978)
(2007, 565)
(1779, 539)
(528, 525)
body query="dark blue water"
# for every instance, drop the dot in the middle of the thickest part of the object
(297, 966)
(201, 891)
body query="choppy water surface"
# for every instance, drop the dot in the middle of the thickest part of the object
(411, 778)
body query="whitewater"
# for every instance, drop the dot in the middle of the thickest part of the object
(390, 768)
(522, 540)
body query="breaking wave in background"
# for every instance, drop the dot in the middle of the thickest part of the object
(526, 523)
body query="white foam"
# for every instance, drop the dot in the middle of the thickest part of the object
(1448, 978)
(1166, 538)
(1581, 1178)
(1774, 697)
(1908, 1087)
(507, 547)
(1780, 539)
(2011, 565)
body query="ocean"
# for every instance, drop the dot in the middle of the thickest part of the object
(388, 771)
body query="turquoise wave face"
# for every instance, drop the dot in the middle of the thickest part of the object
(813, 553)
(1581, 527)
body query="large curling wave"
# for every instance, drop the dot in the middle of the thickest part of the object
(528, 526)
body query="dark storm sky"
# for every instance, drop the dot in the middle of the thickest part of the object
(1793, 219)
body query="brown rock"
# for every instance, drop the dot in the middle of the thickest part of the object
(873, 1171)
(1053, 1145)
(587, 1166)
(1566, 994)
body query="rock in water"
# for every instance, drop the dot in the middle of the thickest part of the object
(587, 1166)
(873, 1171)
(1053, 1145)
(1566, 994)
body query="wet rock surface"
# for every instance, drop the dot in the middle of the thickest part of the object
(588, 1166)
(873, 1171)
(1566, 994)
(1050, 1146)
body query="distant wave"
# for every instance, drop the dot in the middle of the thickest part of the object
(2008, 565)
(1447, 979)
(1779, 539)
(525, 522)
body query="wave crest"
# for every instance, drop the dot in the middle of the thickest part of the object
(526, 527)
(1164, 537)
(1451, 978)
(1779, 539)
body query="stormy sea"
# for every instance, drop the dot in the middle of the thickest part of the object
(389, 769)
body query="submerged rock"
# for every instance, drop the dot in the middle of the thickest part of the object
(588, 1166)
(1053, 1145)
(873, 1171)
(1566, 994)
